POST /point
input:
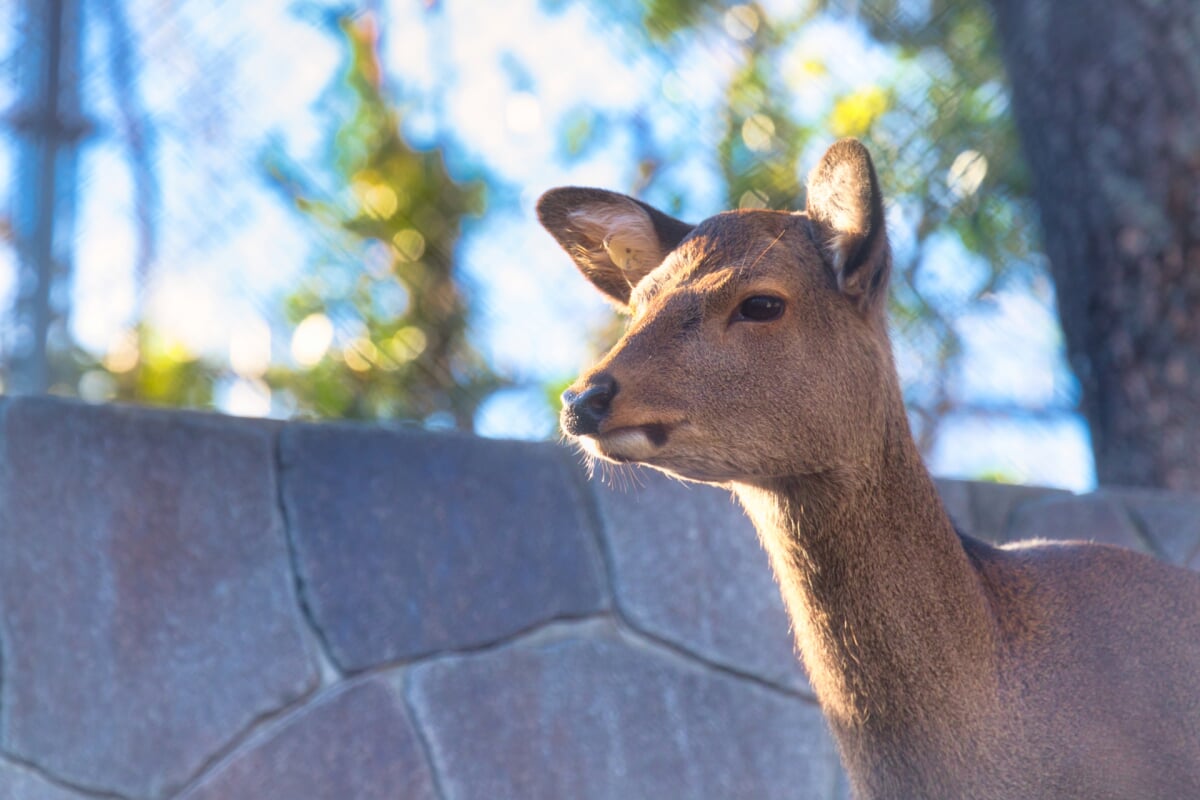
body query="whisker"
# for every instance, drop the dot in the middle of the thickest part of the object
(745, 263)
(767, 249)
(631, 477)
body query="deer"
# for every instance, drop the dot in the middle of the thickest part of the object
(757, 358)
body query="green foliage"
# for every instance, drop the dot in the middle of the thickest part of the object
(167, 374)
(143, 367)
(950, 163)
(381, 319)
(997, 476)
(937, 124)
(760, 149)
(664, 18)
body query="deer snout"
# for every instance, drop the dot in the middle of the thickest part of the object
(583, 411)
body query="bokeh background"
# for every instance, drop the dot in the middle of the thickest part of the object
(292, 208)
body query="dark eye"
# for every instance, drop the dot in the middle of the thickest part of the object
(760, 308)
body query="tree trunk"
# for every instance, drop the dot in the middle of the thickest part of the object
(1107, 103)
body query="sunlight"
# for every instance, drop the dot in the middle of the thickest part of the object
(523, 113)
(966, 173)
(407, 344)
(757, 132)
(409, 244)
(248, 398)
(250, 348)
(311, 339)
(123, 352)
(741, 22)
(184, 307)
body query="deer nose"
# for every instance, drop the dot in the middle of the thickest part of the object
(583, 411)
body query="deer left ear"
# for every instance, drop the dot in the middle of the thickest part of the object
(614, 239)
(845, 212)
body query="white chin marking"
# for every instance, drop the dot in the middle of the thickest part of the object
(630, 444)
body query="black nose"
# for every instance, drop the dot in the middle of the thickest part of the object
(583, 411)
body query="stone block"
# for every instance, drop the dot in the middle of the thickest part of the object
(688, 568)
(1170, 520)
(19, 783)
(1092, 517)
(993, 506)
(585, 712)
(956, 498)
(147, 607)
(355, 742)
(409, 543)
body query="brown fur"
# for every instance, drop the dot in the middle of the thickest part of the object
(947, 668)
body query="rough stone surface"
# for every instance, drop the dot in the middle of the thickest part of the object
(956, 498)
(1093, 518)
(356, 743)
(584, 712)
(411, 543)
(993, 505)
(147, 612)
(151, 635)
(688, 568)
(18, 783)
(1170, 520)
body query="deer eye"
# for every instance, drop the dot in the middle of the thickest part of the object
(760, 308)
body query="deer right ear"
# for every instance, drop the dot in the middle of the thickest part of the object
(845, 210)
(614, 239)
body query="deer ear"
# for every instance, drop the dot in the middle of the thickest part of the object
(845, 212)
(614, 239)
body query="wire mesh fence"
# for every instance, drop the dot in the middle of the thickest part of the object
(305, 208)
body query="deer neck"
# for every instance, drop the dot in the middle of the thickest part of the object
(888, 612)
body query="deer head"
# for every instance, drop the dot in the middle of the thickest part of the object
(757, 346)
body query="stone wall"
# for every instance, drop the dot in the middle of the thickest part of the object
(199, 607)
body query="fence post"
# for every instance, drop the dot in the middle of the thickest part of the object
(47, 124)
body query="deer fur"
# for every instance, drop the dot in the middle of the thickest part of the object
(946, 667)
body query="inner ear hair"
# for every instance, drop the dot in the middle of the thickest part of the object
(623, 235)
(614, 240)
(845, 212)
